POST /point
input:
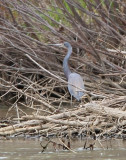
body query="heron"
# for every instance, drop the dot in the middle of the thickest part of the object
(75, 81)
(73, 78)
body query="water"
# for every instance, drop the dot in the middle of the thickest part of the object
(19, 149)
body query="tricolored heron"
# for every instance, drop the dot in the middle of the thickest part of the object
(75, 81)
(73, 78)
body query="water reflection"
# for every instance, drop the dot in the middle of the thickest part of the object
(30, 150)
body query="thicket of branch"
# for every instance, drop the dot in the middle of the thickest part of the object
(31, 71)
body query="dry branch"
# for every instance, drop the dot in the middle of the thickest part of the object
(103, 110)
(31, 73)
(66, 119)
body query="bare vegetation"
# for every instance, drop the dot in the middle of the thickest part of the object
(31, 74)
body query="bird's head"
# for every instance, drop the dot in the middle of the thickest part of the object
(67, 44)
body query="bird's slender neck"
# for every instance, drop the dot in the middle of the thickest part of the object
(65, 63)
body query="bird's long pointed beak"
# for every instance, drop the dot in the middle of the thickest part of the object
(60, 44)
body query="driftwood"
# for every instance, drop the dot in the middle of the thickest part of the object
(79, 118)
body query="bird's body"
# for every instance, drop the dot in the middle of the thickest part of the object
(75, 81)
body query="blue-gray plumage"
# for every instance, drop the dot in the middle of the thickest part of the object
(73, 78)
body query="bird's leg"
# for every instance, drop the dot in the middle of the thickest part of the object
(71, 101)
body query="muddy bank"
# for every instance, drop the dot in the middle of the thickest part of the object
(31, 71)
